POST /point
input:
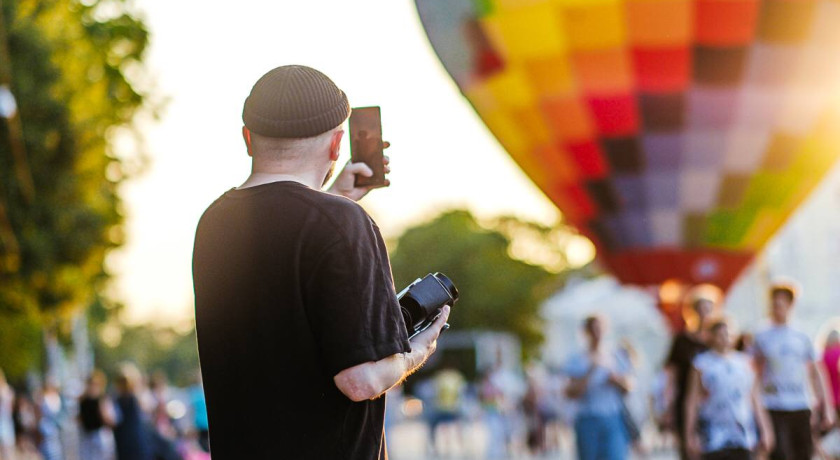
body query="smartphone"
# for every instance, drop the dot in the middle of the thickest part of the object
(366, 144)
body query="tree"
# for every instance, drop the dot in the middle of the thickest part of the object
(498, 291)
(152, 348)
(67, 63)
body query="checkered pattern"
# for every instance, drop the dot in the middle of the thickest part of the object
(678, 135)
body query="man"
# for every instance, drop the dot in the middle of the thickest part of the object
(786, 362)
(299, 329)
(686, 345)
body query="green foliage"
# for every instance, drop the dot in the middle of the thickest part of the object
(66, 61)
(152, 348)
(20, 346)
(498, 292)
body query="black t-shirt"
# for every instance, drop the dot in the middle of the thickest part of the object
(292, 286)
(683, 350)
(90, 413)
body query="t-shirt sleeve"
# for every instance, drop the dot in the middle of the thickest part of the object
(575, 366)
(351, 301)
(699, 362)
(758, 347)
(810, 350)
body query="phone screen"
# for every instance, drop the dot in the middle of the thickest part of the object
(366, 144)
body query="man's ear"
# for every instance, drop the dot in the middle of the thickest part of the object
(335, 144)
(246, 134)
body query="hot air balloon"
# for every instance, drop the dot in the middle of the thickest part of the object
(678, 135)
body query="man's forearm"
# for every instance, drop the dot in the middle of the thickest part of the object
(819, 387)
(372, 379)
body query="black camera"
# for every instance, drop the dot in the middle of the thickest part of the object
(422, 300)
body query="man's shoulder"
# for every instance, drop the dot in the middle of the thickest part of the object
(340, 207)
(703, 359)
(346, 217)
(765, 333)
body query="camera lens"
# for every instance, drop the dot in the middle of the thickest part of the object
(448, 285)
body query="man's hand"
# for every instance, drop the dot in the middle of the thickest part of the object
(694, 446)
(829, 417)
(345, 183)
(425, 343)
(767, 442)
(822, 418)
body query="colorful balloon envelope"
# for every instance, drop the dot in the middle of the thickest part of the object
(678, 135)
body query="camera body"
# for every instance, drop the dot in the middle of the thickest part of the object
(422, 300)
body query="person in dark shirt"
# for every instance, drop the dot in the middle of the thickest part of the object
(96, 417)
(294, 293)
(686, 345)
(132, 435)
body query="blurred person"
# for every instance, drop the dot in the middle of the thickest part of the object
(537, 408)
(449, 386)
(511, 384)
(686, 345)
(724, 415)
(492, 402)
(786, 363)
(26, 423)
(745, 343)
(50, 412)
(631, 425)
(132, 434)
(294, 292)
(599, 379)
(7, 422)
(831, 361)
(199, 411)
(550, 406)
(97, 417)
(658, 409)
(159, 392)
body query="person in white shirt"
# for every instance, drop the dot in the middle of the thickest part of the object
(724, 416)
(787, 364)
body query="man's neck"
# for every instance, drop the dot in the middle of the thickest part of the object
(721, 351)
(260, 178)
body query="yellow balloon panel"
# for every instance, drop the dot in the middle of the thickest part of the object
(595, 25)
(529, 32)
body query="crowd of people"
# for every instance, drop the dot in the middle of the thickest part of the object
(721, 396)
(134, 419)
(718, 395)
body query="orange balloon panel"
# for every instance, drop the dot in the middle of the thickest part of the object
(678, 135)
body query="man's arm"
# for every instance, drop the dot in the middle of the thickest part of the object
(623, 382)
(820, 390)
(692, 403)
(577, 385)
(766, 434)
(370, 380)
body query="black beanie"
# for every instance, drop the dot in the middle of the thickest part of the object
(294, 101)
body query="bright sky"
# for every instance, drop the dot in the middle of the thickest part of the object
(206, 56)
